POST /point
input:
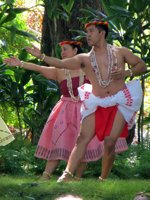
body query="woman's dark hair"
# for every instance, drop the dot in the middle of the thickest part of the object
(74, 44)
(79, 49)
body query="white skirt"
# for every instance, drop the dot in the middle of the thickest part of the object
(128, 101)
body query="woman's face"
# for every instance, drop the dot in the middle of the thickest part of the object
(67, 51)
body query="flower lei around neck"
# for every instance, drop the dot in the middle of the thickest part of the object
(69, 83)
(112, 65)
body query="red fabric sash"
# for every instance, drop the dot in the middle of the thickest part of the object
(104, 118)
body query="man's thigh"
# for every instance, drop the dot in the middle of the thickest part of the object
(88, 127)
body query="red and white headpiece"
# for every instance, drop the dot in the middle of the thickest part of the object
(70, 42)
(96, 23)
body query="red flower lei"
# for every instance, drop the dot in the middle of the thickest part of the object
(96, 23)
(70, 42)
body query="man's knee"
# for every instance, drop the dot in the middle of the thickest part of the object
(109, 145)
(83, 139)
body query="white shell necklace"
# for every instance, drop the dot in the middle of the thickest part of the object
(112, 65)
(69, 83)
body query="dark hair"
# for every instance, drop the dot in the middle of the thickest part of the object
(79, 49)
(101, 26)
(74, 44)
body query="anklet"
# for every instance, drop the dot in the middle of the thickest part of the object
(43, 57)
(69, 173)
(46, 173)
(101, 179)
(22, 64)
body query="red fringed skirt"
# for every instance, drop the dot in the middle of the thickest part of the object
(104, 118)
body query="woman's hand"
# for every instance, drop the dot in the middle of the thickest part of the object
(34, 51)
(12, 61)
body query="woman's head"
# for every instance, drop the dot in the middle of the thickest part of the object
(70, 48)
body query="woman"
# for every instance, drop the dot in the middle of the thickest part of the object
(63, 125)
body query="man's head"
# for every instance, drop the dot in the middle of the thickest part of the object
(96, 29)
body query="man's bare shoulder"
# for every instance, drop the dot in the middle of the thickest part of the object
(83, 55)
(124, 52)
(123, 49)
(84, 59)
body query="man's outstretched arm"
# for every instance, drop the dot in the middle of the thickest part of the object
(68, 63)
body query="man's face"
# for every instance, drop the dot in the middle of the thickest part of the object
(93, 35)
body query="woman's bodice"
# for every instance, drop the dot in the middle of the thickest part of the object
(75, 84)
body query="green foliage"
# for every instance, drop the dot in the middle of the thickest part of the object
(28, 187)
(18, 157)
(14, 157)
(14, 33)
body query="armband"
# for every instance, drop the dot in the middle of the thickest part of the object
(22, 64)
(43, 57)
(130, 72)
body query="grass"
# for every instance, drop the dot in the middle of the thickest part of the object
(29, 188)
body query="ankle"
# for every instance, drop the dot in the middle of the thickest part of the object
(101, 179)
(47, 174)
(69, 173)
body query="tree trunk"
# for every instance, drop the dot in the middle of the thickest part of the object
(55, 30)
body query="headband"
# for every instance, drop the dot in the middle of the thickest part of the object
(96, 23)
(70, 42)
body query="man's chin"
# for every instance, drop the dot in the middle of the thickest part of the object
(90, 43)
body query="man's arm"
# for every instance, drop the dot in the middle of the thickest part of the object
(138, 66)
(68, 63)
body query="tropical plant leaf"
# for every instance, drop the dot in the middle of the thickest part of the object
(14, 30)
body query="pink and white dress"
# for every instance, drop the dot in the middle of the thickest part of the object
(62, 128)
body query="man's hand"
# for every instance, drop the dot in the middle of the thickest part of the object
(34, 51)
(12, 61)
(118, 74)
(121, 74)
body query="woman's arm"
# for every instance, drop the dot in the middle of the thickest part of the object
(48, 72)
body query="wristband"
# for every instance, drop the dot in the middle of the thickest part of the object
(22, 64)
(43, 57)
(130, 72)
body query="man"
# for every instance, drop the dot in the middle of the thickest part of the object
(109, 105)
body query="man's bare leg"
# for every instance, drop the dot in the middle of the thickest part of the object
(109, 145)
(78, 152)
(80, 169)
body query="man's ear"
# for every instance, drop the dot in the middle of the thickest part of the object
(102, 33)
(75, 50)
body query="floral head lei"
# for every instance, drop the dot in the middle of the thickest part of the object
(70, 42)
(96, 23)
